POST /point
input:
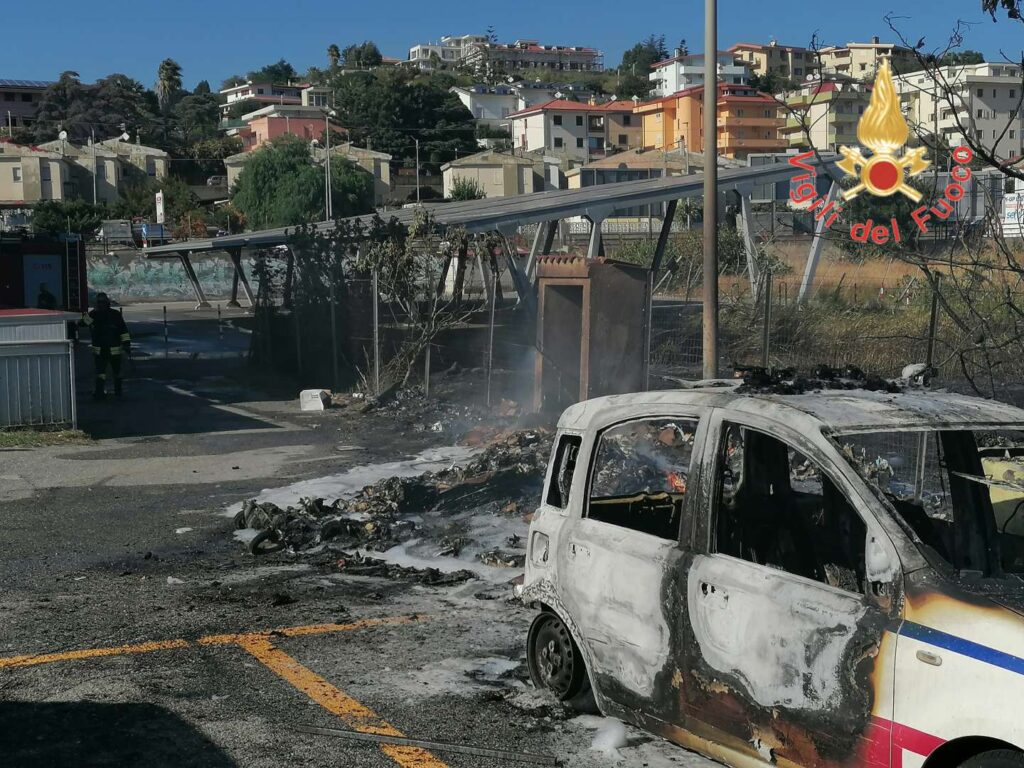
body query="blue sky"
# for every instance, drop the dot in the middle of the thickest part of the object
(216, 38)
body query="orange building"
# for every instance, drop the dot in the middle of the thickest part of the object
(748, 121)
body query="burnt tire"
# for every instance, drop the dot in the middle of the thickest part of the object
(554, 659)
(995, 758)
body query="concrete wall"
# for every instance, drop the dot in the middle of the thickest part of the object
(129, 275)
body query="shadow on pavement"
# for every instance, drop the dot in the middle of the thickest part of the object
(89, 734)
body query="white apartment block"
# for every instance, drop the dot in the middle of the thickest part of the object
(451, 51)
(986, 98)
(492, 105)
(686, 70)
(576, 131)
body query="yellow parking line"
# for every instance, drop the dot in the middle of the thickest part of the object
(355, 714)
(31, 660)
(308, 629)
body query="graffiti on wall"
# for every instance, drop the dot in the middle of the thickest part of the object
(125, 277)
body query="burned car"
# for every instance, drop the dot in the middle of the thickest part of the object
(829, 578)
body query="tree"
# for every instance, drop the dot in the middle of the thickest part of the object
(56, 217)
(1012, 8)
(216, 148)
(168, 83)
(197, 116)
(634, 71)
(139, 200)
(389, 107)
(279, 72)
(962, 57)
(232, 81)
(203, 86)
(364, 56)
(55, 105)
(333, 54)
(466, 188)
(280, 186)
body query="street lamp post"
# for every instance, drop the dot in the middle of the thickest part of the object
(328, 203)
(417, 168)
(710, 308)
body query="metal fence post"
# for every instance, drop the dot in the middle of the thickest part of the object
(376, 336)
(767, 330)
(334, 336)
(490, 336)
(165, 332)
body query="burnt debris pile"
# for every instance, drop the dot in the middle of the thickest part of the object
(474, 512)
(787, 381)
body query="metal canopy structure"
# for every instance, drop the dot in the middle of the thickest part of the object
(506, 214)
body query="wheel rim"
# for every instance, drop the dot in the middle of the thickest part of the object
(553, 656)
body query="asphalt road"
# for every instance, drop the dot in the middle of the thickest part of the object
(135, 631)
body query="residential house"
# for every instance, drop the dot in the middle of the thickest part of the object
(861, 60)
(450, 52)
(263, 92)
(987, 98)
(823, 113)
(748, 121)
(498, 174)
(95, 172)
(785, 62)
(491, 105)
(687, 69)
(138, 160)
(30, 174)
(574, 129)
(19, 100)
(634, 165)
(259, 127)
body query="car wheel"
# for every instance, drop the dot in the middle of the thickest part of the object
(553, 657)
(996, 758)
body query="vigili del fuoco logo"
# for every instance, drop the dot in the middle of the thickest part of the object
(884, 131)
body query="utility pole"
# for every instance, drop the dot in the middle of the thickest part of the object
(417, 168)
(92, 140)
(710, 308)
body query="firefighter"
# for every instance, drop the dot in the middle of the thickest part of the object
(109, 338)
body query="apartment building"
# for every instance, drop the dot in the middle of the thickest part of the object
(785, 62)
(823, 113)
(137, 160)
(575, 130)
(492, 105)
(987, 98)
(261, 93)
(861, 60)
(99, 172)
(530, 56)
(685, 70)
(260, 126)
(31, 174)
(19, 100)
(748, 121)
(450, 52)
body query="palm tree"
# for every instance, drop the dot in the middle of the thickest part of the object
(333, 54)
(168, 82)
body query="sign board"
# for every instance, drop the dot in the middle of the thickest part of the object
(160, 207)
(1013, 214)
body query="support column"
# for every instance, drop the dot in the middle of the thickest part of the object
(523, 288)
(186, 262)
(595, 245)
(666, 229)
(753, 271)
(236, 259)
(816, 246)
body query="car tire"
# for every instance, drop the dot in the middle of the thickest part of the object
(554, 659)
(995, 758)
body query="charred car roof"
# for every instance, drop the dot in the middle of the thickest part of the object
(836, 411)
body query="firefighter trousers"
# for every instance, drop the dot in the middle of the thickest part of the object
(104, 357)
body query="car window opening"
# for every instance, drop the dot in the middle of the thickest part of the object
(640, 475)
(961, 492)
(562, 473)
(776, 508)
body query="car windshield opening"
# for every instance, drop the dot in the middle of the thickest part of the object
(961, 491)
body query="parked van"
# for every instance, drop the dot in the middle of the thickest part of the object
(831, 578)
